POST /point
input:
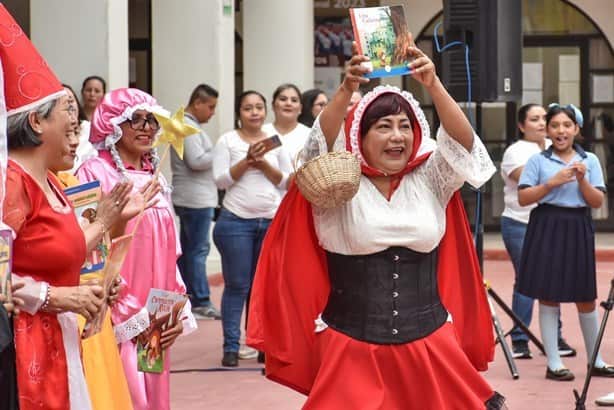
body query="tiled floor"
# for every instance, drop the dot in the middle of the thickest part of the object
(208, 387)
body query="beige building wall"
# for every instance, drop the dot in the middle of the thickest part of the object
(193, 42)
(600, 11)
(81, 38)
(277, 45)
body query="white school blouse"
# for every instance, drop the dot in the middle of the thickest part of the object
(415, 215)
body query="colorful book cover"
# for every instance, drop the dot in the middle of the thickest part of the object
(381, 34)
(165, 310)
(111, 270)
(84, 199)
(6, 249)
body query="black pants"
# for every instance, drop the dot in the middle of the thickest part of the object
(8, 379)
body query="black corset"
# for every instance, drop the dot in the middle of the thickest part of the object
(390, 297)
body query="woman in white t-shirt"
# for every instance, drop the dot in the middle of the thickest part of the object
(287, 107)
(253, 178)
(514, 219)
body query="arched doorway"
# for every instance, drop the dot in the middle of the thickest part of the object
(566, 59)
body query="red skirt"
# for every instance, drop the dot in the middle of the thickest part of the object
(431, 373)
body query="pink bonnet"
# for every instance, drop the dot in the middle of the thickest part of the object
(116, 107)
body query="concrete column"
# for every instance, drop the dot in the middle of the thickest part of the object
(193, 42)
(81, 38)
(277, 45)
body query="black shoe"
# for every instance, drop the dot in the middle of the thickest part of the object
(565, 350)
(230, 359)
(520, 349)
(605, 371)
(561, 375)
(260, 357)
(496, 402)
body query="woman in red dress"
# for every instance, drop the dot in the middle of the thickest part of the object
(48, 252)
(378, 303)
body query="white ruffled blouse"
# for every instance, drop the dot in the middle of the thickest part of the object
(415, 215)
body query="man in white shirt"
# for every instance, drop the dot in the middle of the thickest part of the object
(195, 198)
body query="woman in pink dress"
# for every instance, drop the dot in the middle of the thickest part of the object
(123, 130)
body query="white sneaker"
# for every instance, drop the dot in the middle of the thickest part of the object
(246, 353)
(607, 400)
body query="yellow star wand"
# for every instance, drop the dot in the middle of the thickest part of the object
(174, 131)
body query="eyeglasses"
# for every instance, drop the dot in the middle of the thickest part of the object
(71, 109)
(138, 123)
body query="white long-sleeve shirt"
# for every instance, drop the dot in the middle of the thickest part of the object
(252, 195)
(415, 216)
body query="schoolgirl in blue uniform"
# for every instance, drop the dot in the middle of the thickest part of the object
(558, 257)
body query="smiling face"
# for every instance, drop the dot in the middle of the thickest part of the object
(137, 135)
(388, 143)
(58, 135)
(562, 129)
(534, 125)
(287, 105)
(252, 112)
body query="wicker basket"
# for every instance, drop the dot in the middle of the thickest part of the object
(329, 180)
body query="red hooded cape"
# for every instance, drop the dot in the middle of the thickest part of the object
(291, 289)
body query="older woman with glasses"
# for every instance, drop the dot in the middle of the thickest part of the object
(313, 102)
(123, 130)
(48, 251)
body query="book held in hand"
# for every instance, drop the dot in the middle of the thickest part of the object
(84, 198)
(165, 311)
(6, 253)
(381, 34)
(110, 272)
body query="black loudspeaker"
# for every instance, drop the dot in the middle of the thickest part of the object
(493, 31)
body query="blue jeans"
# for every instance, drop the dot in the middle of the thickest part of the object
(195, 244)
(239, 241)
(513, 233)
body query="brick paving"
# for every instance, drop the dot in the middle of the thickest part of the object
(209, 387)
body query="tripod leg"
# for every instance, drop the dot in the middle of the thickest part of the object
(501, 339)
(516, 319)
(607, 305)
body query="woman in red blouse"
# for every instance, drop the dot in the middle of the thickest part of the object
(49, 249)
